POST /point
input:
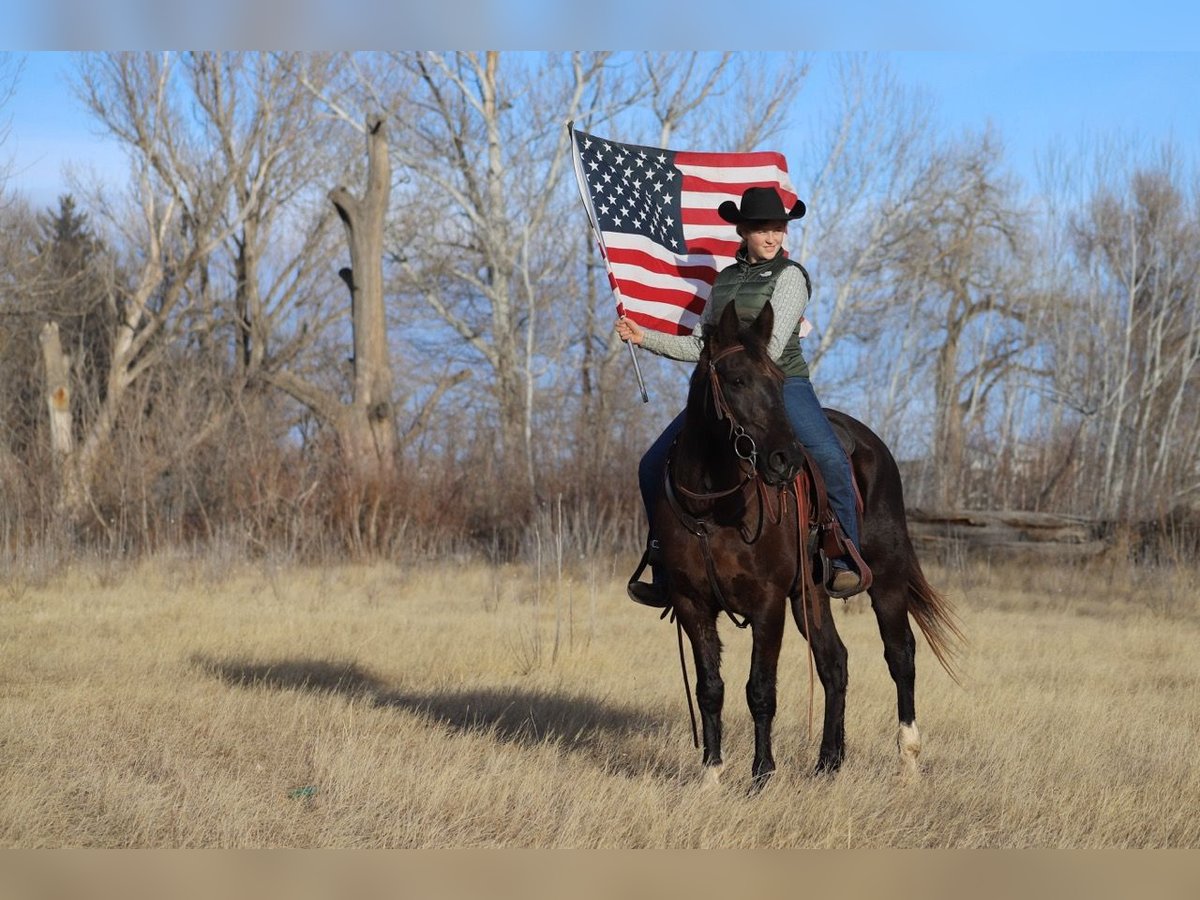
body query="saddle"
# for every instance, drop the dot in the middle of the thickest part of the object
(826, 538)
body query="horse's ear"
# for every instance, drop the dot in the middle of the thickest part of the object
(727, 327)
(764, 323)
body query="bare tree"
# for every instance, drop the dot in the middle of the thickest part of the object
(730, 101)
(279, 256)
(869, 154)
(482, 142)
(1133, 340)
(175, 222)
(58, 392)
(12, 256)
(20, 393)
(949, 300)
(236, 252)
(483, 151)
(270, 138)
(366, 425)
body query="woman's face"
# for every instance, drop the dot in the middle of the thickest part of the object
(763, 239)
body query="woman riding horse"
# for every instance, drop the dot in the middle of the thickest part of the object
(760, 273)
(732, 518)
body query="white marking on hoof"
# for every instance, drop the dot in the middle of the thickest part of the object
(712, 775)
(908, 743)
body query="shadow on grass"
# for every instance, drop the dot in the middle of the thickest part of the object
(614, 736)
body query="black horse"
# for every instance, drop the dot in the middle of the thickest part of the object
(735, 541)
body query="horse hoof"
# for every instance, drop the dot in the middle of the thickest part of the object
(758, 783)
(712, 775)
(908, 769)
(827, 767)
(908, 743)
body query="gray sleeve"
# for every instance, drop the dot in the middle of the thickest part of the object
(684, 347)
(788, 301)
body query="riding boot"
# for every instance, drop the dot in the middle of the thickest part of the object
(655, 593)
(846, 582)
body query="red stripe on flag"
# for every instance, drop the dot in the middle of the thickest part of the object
(724, 160)
(661, 266)
(713, 247)
(632, 291)
(695, 215)
(703, 186)
(656, 324)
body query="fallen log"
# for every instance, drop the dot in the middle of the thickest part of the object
(1007, 534)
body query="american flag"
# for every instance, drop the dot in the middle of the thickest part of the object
(655, 216)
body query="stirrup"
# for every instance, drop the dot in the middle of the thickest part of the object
(651, 594)
(846, 551)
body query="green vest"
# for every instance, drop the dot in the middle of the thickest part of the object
(749, 286)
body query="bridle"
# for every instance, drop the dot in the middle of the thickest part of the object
(744, 446)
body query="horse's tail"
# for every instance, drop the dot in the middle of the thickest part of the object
(935, 617)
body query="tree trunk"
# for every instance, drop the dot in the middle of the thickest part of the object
(58, 392)
(948, 433)
(70, 476)
(367, 428)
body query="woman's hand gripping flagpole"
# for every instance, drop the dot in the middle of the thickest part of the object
(631, 333)
(630, 326)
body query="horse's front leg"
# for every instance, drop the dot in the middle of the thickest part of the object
(815, 621)
(761, 689)
(701, 628)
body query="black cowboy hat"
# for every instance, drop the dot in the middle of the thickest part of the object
(759, 204)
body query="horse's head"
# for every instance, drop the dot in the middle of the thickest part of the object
(737, 391)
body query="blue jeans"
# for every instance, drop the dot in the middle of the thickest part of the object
(816, 434)
(812, 430)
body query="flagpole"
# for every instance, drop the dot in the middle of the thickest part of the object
(587, 206)
(638, 371)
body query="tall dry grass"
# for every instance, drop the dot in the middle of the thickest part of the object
(204, 703)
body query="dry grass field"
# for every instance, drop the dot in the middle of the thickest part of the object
(188, 703)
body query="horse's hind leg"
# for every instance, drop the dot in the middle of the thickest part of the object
(760, 689)
(829, 654)
(890, 603)
(710, 688)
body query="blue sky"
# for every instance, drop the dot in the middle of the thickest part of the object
(1034, 98)
(1039, 98)
(1012, 25)
(49, 131)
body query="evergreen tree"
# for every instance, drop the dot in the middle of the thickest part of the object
(76, 269)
